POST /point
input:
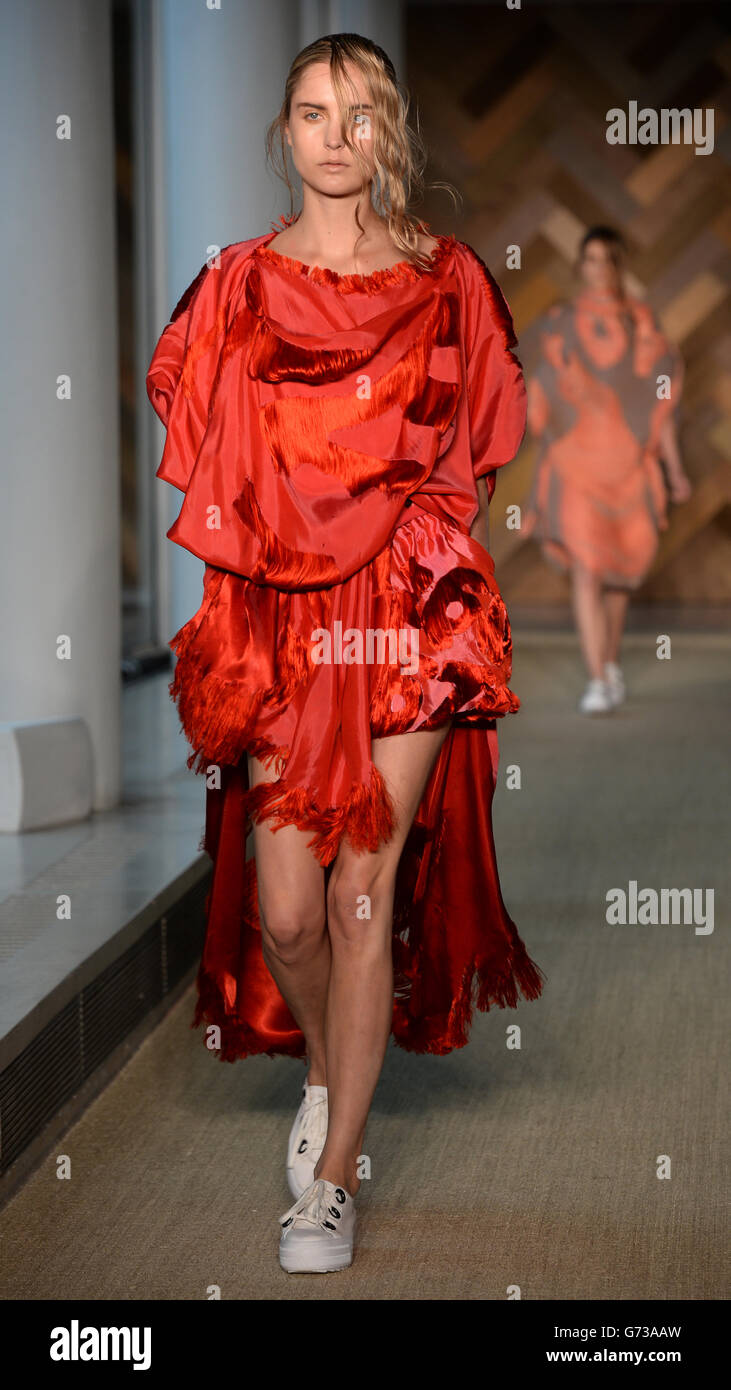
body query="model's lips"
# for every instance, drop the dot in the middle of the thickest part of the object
(333, 164)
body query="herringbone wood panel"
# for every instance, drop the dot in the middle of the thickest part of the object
(512, 106)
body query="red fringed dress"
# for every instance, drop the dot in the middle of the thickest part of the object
(326, 432)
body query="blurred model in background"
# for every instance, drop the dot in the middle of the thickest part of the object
(603, 404)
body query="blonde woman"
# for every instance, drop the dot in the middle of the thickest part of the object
(338, 395)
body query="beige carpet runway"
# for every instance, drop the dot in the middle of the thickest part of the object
(492, 1167)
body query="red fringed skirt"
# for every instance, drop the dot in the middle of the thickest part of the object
(301, 678)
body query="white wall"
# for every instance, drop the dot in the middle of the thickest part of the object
(59, 537)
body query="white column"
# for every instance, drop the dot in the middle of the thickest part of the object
(59, 534)
(219, 75)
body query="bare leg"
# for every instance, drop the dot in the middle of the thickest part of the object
(590, 618)
(360, 996)
(295, 943)
(615, 610)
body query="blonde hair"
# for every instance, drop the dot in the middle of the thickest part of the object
(399, 154)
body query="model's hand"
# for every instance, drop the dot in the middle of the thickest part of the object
(680, 487)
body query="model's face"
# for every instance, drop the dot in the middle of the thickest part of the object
(597, 268)
(314, 133)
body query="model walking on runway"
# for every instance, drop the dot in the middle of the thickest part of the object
(602, 402)
(338, 396)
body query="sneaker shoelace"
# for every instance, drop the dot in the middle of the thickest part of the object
(313, 1125)
(318, 1206)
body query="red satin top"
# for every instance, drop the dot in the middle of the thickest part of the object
(302, 421)
(310, 416)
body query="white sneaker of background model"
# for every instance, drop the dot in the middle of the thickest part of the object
(306, 1139)
(596, 699)
(317, 1231)
(615, 681)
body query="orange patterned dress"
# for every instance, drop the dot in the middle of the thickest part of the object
(607, 379)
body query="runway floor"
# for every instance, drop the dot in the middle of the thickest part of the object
(493, 1167)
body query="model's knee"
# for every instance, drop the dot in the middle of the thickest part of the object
(360, 902)
(585, 578)
(290, 930)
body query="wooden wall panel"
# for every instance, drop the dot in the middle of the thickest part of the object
(513, 105)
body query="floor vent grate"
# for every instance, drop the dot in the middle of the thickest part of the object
(47, 1073)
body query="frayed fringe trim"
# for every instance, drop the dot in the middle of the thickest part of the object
(216, 717)
(435, 1035)
(481, 989)
(370, 284)
(479, 688)
(366, 816)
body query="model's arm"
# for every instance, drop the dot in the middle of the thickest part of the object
(495, 386)
(680, 486)
(166, 365)
(182, 372)
(480, 528)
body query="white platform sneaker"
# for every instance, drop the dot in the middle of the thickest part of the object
(306, 1139)
(596, 699)
(615, 682)
(317, 1231)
